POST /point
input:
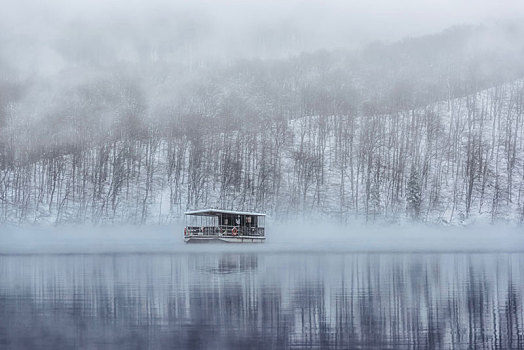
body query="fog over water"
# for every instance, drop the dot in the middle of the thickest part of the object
(383, 139)
(290, 236)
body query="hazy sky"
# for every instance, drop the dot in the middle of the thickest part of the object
(228, 28)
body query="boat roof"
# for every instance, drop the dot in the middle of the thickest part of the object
(215, 212)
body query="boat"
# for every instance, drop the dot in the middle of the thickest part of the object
(214, 225)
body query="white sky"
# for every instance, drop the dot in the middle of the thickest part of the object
(260, 27)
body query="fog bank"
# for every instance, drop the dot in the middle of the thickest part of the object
(300, 236)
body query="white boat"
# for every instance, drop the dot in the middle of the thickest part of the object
(214, 225)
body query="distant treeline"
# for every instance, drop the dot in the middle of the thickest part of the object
(406, 130)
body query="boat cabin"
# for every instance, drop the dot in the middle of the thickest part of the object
(224, 225)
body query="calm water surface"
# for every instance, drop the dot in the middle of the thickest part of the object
(247, 301)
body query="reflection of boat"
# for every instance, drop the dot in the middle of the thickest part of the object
(224, 263)
(213, 225)
(230, 263)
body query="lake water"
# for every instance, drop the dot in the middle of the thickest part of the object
(262, 300)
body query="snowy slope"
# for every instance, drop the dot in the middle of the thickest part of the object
(455, 161)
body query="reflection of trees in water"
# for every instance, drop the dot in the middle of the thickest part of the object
(263, 301)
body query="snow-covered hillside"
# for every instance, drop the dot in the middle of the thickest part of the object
(455, 161)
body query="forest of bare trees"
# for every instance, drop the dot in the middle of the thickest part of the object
(390, 133)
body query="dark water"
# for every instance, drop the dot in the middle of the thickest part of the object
(247, 301)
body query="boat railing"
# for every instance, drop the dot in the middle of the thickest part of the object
(202, 230)
(225, 230)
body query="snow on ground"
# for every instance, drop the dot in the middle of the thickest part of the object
(311, 174)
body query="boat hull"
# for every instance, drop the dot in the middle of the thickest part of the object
(224, 239)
